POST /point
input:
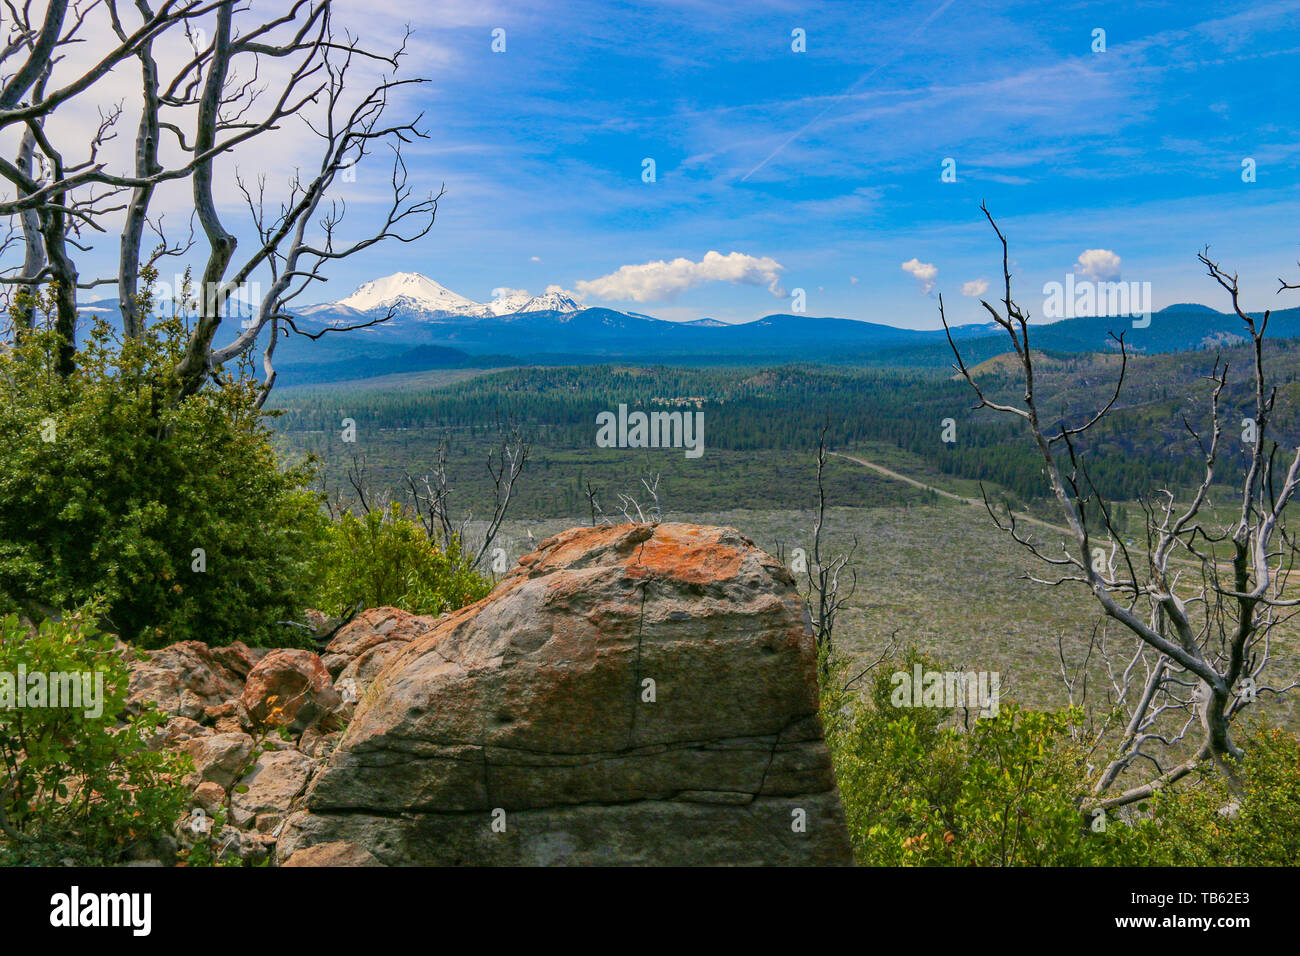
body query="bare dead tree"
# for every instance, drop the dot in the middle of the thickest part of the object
(628, 504)
(365, 491)
(431, 494)
(1201, 621)
(825, 594)
(596, 509)
(888, 652)
(216, 103)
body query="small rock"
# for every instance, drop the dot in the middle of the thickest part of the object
(218, 758)
(183, 678)
(372, 628)
(319, 745)
(272, 784)
(333, 854)
(255, 847)
(238, 657)
(178, 730)
(209, 796)
(228, 717)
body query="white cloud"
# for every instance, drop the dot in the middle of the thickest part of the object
(853, 279)
(1100, 265)
(975, 287)
(660, 281)
(501, 292)
(924, 272)
(536, 258)
(561, 290)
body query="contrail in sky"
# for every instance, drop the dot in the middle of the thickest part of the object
(860, 80)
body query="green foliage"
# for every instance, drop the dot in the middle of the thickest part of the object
(386, 559)
(920, 791)
(77, 784)
(109, 484)
(1257, 823)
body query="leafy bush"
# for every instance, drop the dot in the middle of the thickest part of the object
(109, 486)
(78, 784)
(919, 791)
(1210, 823)
(386, 559)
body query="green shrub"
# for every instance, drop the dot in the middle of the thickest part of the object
(110, 487)
(78, 784)
(920, 791)
(385, 559)
(1209, 822)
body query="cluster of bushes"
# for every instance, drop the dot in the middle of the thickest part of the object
(131, 510)
(175, 514)
(920, 789)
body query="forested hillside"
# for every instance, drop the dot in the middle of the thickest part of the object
(756, 419)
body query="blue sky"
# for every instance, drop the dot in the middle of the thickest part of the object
(822, 170)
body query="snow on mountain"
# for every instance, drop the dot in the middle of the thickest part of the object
(412, 293)
(523, 302)
(409, 290)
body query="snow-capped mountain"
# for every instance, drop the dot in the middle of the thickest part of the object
(416, 296)
(517, 302)
(408, 290)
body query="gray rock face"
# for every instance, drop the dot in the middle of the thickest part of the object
(271, 784)
(640, 694)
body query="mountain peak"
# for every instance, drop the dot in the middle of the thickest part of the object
(406, 290)
(1191, 307)
(413, 292)
(516, 302)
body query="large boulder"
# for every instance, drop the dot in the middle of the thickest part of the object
(290, 688)
(639, 694)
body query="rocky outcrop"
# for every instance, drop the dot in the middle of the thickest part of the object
(185, 678)
(254, 722)
(640, 694)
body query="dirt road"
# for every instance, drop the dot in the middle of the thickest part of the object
(889, 473)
